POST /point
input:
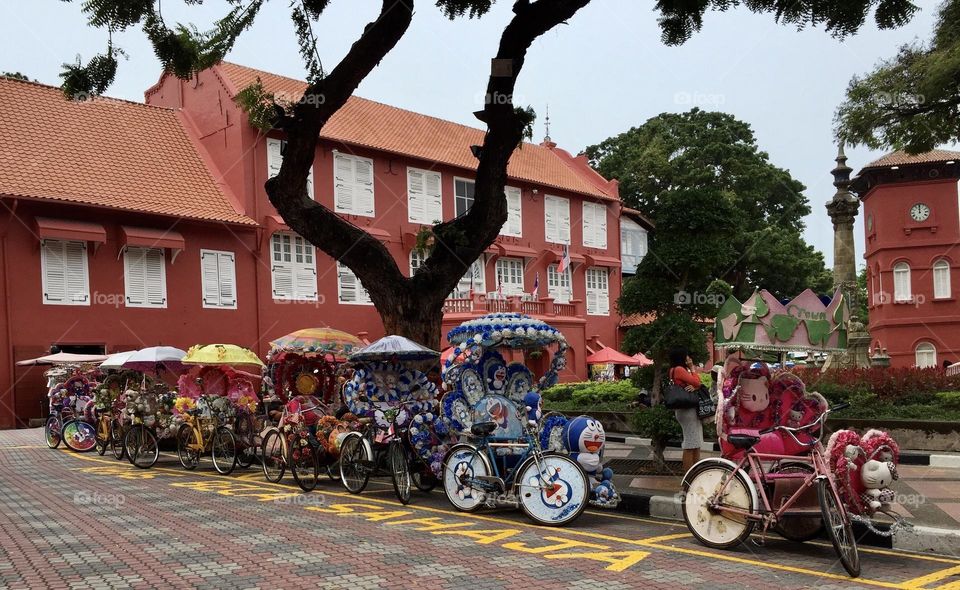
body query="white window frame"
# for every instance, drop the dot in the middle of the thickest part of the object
(457, 198)
(514, 225)
(353, 186)
(476, 275)
(559, 284)
(510, 275)
(363, 297)
(594, 225)
(275, 149)
(417, 258)
(134, 256)
(556, 219)
(925, 355)
(633, 244)
(53, 259)
(941, 280)
(426, 204)
(226, 267)
(902, 289)
(294, 259)
(598, 291)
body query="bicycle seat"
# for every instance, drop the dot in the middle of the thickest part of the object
(743, 441)
(483, 428)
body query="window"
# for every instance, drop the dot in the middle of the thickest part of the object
(556, 215)
(417, 257)
(462, 196)
(424, 204)
(558, 284)
(926, 355)
(598, 292)
(514, 225)
(219, 278)
(275, 151)
(63, 266)
(145, 277)
(594, 225)
(349, 288)
(941, 279)
(293, 267)
(510, 276)
(353, 185)
(633, 244)
(472, 281)
(901, 282)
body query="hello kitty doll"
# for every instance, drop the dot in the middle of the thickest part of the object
(876, 476)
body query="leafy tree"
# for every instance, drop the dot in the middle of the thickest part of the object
(862, 297)
(17, 76)
(408, 306)
(912, 100)
(727, 222)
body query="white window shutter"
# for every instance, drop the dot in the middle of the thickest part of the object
(550, 219)
(344, 197)
(563, 220)
(433, 199)
(155, 278)
(283, 281)
(75, 259)
(364, 186)
(305, 280)
(588, 225)
(53, 270)
(591, 302)
(600, 225)
(210, 273)
(514, 224)
(310, 192)
(274, 156)
(347, 284)
(603, 301)
(226, 267)
(416, 196)
(134, 276)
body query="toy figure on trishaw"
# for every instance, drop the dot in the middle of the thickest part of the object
(508, 454)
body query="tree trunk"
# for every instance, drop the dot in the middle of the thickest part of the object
(413, 318)
(656, 390)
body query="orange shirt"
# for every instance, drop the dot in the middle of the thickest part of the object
(682, 377)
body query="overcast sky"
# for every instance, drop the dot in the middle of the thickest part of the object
(602, 74)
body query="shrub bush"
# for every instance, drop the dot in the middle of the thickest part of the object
(902, 385)
(949, 400)
(642, 377)
(590, 393)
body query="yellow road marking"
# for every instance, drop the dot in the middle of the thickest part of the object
(653, 542)
(933, 577)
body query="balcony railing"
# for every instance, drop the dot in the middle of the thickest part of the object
(480, 304)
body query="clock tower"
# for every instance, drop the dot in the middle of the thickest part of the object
(911, 207)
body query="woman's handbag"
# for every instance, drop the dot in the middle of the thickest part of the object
(676, 397)
(706, 405)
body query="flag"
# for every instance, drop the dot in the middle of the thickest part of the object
(471, 281)
(536, 287)
(564, 260)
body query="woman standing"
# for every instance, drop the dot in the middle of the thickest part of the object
(682, 374)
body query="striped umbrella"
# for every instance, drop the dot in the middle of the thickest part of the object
(317, 340)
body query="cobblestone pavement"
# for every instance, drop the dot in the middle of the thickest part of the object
(84, 521)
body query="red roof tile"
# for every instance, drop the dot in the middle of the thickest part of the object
(637, 319)
(370, 124)
(901, 158)
(104, 152)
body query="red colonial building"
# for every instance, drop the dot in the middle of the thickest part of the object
(911, 208)
(126, 225)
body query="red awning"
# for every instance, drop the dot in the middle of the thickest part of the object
(593, 260)
(152, 238)
(67, 229)
(515, 250)
(381, 234)
(276, 223)
(644, 361)
(609, 356)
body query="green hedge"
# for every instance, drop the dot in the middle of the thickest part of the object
(615, 395)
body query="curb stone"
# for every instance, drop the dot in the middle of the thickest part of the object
(919, 539)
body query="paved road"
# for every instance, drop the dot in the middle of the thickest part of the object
(84, 521)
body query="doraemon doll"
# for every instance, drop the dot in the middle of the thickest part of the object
(584, 438)
(532, 402)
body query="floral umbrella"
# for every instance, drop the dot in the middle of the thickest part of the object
(229, 355)
(317, 340)
(394, 347)
(154, 357)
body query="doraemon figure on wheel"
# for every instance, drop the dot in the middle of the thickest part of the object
(493, 406)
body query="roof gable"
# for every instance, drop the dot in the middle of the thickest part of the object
(104, 152)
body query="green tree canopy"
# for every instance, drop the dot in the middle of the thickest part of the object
(912, 100)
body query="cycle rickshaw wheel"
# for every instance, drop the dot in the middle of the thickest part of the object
(305, 467)
(464, 460)
(140, 445)
(246, 448)
(333, 470)
(274, 456)
(51, 432)
(187, 444)
(116, 440)
(102, 438)
(223, 450)
(353, 453)
(399, 471)
(712, 527)
(78, 436)
(798, 529)
(553, 489)
(839, 528)
(424, 479)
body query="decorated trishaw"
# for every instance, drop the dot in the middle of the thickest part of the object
(71, 408)
(220, 384)
(302, 394)
(396, 405)
(493, 407)
(774, 472)
(108, 397)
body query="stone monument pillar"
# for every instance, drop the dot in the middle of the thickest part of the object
(843, 209)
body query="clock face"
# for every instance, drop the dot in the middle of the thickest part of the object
(919, 212)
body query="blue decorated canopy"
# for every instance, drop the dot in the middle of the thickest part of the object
(512, 330)
(394, 348)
